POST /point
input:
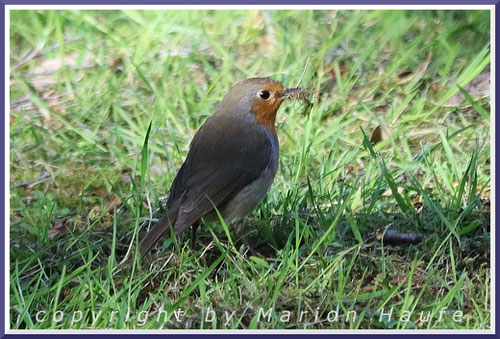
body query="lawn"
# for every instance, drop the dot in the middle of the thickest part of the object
(378, 218)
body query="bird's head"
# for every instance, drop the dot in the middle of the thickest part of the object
(261, 97)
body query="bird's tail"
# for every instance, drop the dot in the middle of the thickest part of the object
(159, 229)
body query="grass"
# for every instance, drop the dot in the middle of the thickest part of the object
(104, 104)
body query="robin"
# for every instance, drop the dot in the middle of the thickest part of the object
(231, 163)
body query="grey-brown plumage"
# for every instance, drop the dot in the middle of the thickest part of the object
(231, 163)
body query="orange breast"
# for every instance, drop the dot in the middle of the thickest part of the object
(265, 110)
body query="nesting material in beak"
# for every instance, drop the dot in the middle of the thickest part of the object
(290, 93)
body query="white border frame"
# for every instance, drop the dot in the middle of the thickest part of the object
(8, 8)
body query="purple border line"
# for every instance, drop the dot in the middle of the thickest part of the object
(198, 2)
(497, 204)
(2, 181)
(251, 2)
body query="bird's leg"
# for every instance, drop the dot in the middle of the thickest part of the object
(193, 234)
(240, 231)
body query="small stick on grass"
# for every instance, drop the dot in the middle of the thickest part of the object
(303, 73)
(33, 182)
(36, 53)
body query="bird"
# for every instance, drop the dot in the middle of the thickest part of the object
(231, 162)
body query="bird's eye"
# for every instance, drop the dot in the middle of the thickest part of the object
(265, 95)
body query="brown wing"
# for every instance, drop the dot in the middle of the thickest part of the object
(223, 158)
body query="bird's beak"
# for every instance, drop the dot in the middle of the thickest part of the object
(289, 92)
